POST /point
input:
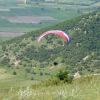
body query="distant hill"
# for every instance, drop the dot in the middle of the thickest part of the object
(82, 54)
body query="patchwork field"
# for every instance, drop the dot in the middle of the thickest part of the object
(4, 9)
(18, 18)
(27, 19)
(9, 34)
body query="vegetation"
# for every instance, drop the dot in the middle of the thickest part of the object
(63, 75)
(24, 62)
(79, 90)
(82, 54)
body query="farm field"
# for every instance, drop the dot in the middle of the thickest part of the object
(18, 18)
(16, 23)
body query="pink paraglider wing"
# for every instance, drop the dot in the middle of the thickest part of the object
(58, 32)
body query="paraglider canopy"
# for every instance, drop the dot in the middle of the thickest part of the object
(57, 32)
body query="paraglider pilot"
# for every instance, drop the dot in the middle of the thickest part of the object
(55, 63)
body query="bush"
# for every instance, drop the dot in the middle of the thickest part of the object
(64, 76)
(31, 78)
(52, 81)
(60, 78)
(14, 73)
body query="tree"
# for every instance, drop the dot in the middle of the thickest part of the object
(42, 9)
(32, 78)
(14, 73)
(56, 1)
(3, 47)
(41, 73)
(64, 76)
(5, 61)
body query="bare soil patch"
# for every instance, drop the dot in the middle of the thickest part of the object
(10, 34)
(4, 9)
(12, 30)
(27, 19)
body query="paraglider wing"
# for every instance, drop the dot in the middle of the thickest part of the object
(57, 32)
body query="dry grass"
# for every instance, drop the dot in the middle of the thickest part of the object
(82, 89)
(6, 76)
(2, 71)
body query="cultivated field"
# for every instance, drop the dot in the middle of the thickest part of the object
(10, 35)
(33, 15)
(27, 19)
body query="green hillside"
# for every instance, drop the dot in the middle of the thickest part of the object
(25, 58)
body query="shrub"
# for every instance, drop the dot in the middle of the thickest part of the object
(14, 73)
(52, 81)
(64, 76)
(31, 78)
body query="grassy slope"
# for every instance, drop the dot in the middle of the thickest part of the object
(81, 89)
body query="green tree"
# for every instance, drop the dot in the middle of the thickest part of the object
(5, 61)
(64, 76)
(3, 47)
(14, 73)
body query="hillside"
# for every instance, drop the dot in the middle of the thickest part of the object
(30, 59)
